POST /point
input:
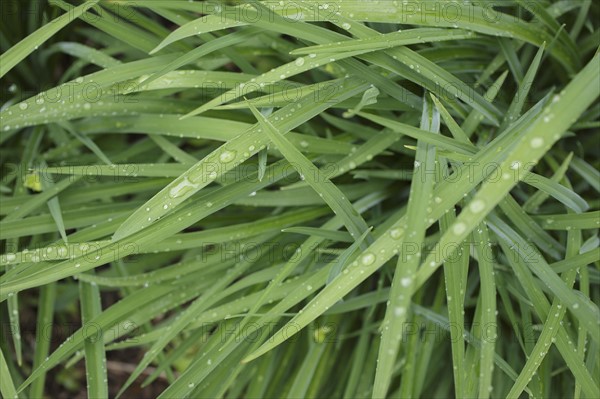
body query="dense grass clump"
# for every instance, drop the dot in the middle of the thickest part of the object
(270, 199)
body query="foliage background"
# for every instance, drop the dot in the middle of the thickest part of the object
(299, 199)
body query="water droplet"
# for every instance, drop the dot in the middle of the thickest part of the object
(396, 233)
(367, 259)
(181, 189)
(399, 311)
(299, 61)
(536, 142)
(459, 228)
(346, 25)
(477, 206)
(227, 156)
(23, 106)
(405, 281)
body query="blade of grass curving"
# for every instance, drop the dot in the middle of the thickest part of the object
(474, 17)
(475, 117)
(125, 30)
(104, 321)
(400, 293)
(203, 50)
(488, 305)
(29, 154)
(588, 172)
(7, 386)
(307, 370)
(563, 111)
(119, 170)
(45, 316)
(563, 40)
(89, 143)
(339, 236)
(278, 74)
(332, 195)
(454, 127)
(419, 69)
(425, 361)
(446, 195)
(226, 157)
(521, 263)
(551, 325)
(29, 112)
(376, 144)
(29, 44)
(232, 210)
(54, 204)
(588, 220)
(343, 258)
(186, 216)
(437, 140)
(388, 40)
(298, 293)
(359, 359)
(538, 198)
(455, 277)
(444, 323)
(173, 150)
(95, 357)
(569, 198)
(525, 85)
(198, 306)
(86, 53)
(170, 360)
(530, 228)
(512, 59)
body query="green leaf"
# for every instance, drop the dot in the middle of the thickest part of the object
(95, 357)
(29, 44)
(324, 187)
(414, 233)
(223, 159)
